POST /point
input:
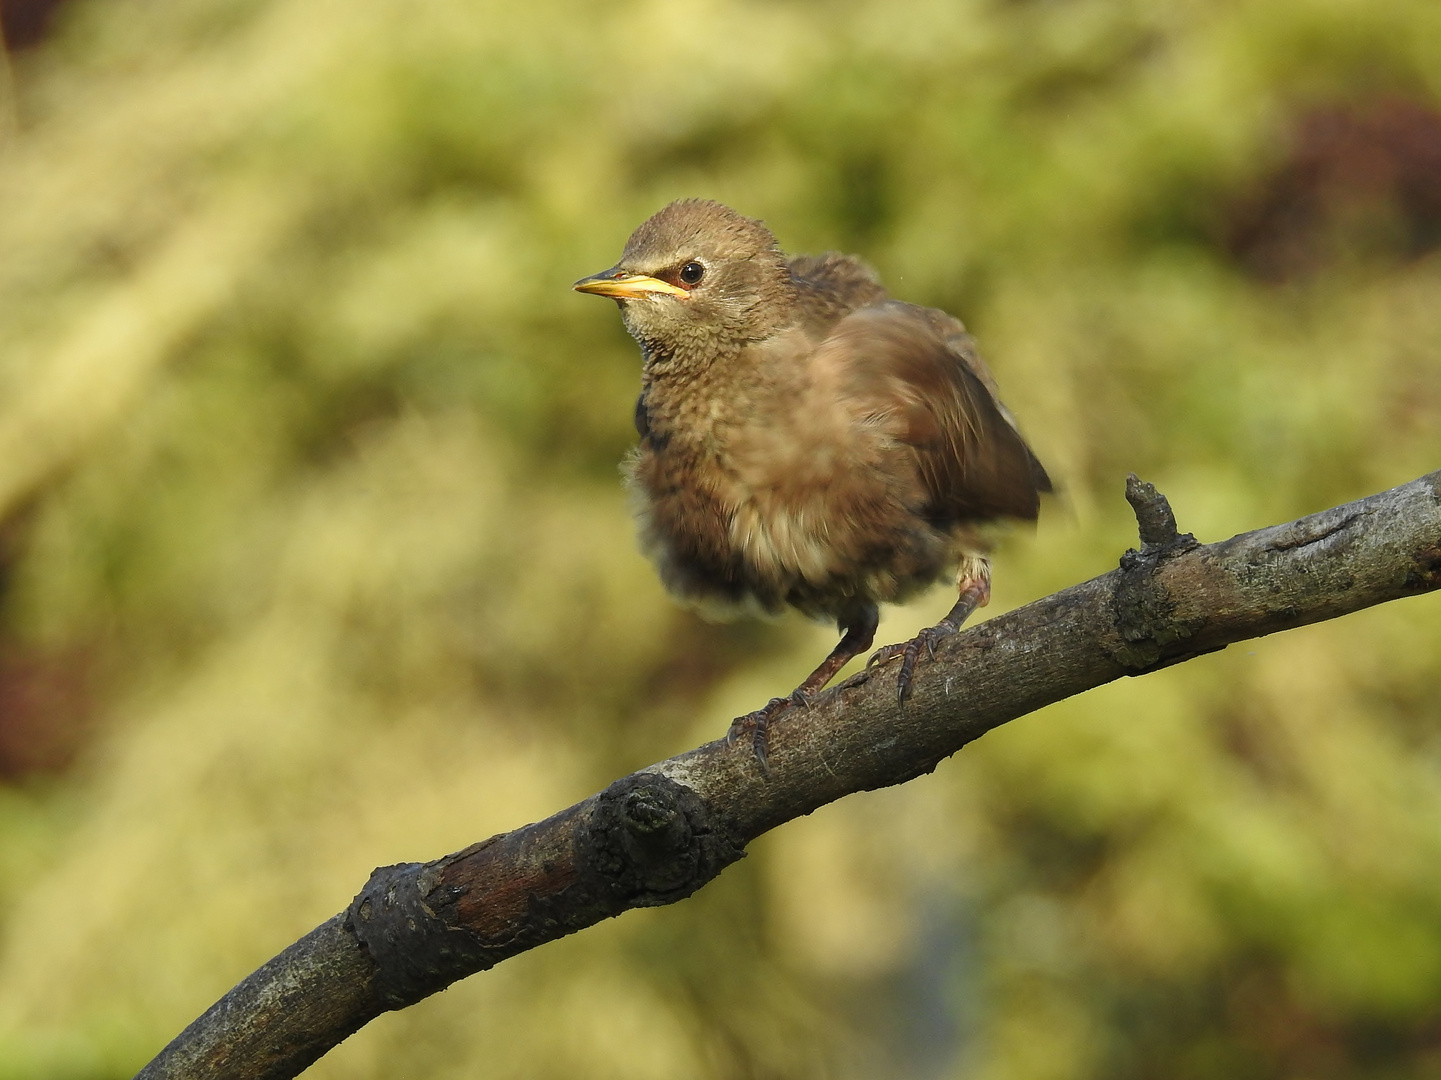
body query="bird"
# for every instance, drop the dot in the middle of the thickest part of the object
(806, 441)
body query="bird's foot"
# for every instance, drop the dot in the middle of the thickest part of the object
(974, 583)
(910, 652)
(758, 723)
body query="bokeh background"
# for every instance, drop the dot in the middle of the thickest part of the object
(313, 554)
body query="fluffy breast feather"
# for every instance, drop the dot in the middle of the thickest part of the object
(808, 496)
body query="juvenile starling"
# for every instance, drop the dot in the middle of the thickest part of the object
(805, 440)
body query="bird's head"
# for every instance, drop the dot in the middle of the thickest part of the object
(697, 279)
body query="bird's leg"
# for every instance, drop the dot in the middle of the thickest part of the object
(858, 631)
(973, 579)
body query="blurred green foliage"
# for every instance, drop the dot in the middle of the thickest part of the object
(315, 557)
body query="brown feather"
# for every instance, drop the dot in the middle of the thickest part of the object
(805, 440)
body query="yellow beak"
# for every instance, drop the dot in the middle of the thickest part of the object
(625, 286)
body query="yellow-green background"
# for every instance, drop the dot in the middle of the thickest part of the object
(313, 534)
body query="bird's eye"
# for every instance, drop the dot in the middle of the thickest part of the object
(691, 273)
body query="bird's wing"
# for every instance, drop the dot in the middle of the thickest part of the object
(912, 375)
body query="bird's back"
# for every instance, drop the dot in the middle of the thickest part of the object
(830, 286)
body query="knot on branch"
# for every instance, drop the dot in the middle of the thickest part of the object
(646, 840)
(1144, 609)
(415, 951)
(652, 841)
(1426, 574)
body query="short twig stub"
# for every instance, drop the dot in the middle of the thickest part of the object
(1154, 517)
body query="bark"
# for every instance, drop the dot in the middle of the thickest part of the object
(656, 836)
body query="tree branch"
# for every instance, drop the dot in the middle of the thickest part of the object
(657, 835)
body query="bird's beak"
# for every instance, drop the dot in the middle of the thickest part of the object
(623, 286)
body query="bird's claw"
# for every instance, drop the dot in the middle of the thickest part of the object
(758, 723)
(885, 654)
(910, 652)
(929, 637)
